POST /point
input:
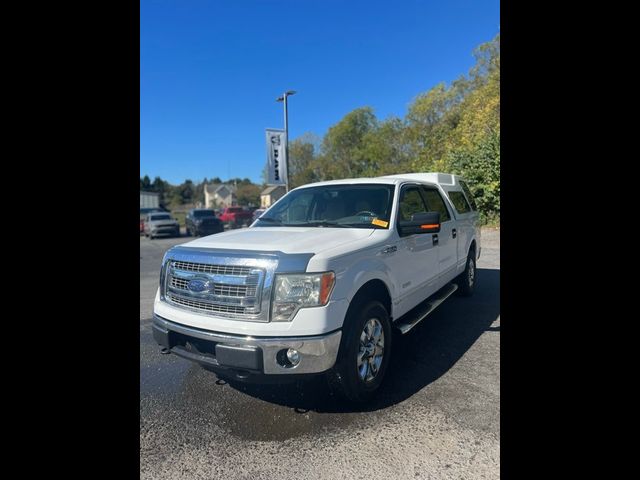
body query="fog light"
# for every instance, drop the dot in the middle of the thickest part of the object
(293, 356)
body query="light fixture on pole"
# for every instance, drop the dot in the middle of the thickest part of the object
(283, 98)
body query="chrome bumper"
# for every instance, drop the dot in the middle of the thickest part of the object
(317, 353)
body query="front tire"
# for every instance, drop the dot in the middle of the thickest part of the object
(364, 352)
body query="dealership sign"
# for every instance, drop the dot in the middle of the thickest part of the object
(276, 157)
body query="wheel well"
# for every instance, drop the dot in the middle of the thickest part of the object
(472, 247)
(373, 289)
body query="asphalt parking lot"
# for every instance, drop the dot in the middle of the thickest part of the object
(437, 415)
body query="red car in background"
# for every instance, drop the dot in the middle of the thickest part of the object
(235, 216)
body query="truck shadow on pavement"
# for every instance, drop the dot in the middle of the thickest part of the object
(419, 358)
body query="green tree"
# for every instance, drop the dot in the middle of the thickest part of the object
(430, 120)
(187, 191)
(145, 183)
(344, 152)
(386, 148)
(480, 166)
(198, 193)
(160, 186)
(248, 194)
(302, 158)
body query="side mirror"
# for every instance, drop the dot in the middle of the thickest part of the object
(425, 222)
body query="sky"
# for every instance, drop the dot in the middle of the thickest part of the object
(210, 71)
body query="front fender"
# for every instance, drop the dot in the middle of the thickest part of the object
(350, 279)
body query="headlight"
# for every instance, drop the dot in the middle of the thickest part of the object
(293, 292)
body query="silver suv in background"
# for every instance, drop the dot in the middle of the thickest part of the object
(161, 223)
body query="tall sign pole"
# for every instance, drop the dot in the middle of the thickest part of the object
(286, 142)
(283, 99)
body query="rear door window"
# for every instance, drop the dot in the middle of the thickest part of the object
(467, 192)
(435, 203)
(459, 201)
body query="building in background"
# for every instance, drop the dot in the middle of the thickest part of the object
(219, 195)
(149, 200)
(270, 195)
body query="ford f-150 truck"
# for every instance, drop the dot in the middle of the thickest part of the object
(319, 283)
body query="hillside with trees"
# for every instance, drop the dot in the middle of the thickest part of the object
(190, 193)
(453, 129)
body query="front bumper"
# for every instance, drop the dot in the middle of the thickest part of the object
(240, 354)
(166, 231)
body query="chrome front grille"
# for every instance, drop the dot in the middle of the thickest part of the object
(219, 289)
(226, 290)
(207, 307)
(205, 268)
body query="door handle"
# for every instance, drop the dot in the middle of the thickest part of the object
(389, 249)
(435, 239)
(454, 232)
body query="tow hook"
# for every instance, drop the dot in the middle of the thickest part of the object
(165, 351)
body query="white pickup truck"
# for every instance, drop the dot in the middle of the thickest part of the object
(319, 282)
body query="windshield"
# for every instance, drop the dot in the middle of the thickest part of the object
(354, 206)
(203, 213)
(165, 216)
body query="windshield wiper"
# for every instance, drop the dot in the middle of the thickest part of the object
(322, 223)
(360, 225)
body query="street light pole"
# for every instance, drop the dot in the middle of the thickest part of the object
(286, 141)
(283, 99)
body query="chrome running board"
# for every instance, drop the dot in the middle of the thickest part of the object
(419, 313)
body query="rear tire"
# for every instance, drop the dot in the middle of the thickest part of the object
(467, 280)
(364, 352)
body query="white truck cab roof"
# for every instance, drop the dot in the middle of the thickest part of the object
(445, 180)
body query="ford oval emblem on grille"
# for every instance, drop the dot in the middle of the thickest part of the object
(197, 285)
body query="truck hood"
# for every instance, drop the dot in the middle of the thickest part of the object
(283, 239)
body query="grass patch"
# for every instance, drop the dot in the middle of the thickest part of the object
(180, 217)
(490, 220)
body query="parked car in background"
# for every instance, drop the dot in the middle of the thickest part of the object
(201, 221)
(236, 216)
(144, 211)
(257, 213)
(161, 223)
